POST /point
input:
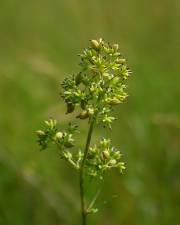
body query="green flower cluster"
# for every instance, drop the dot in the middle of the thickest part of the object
(103, 157)
(50, 134)
(62, 139)
(96, 89)
(99, 85)
(100, 158)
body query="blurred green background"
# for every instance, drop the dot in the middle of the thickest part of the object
(39, 43)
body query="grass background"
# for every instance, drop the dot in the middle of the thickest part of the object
(39, 43)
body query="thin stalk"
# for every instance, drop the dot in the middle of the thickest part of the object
(81, 180)
(93, 200)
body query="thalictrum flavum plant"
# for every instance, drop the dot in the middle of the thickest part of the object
(94, 92)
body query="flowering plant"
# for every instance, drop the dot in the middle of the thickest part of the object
(95, 90)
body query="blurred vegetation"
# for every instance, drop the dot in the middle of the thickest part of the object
(39, 43)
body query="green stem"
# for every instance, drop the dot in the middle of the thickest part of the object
(93, 201)
(81, 180)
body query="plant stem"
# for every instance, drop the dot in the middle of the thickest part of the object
(93, 200)
(81, 180)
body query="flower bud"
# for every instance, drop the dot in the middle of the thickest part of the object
(94, 44)
(70, 108)
(117, 155)
(108, 75)
(115, 80)
(90, 111)
(121, 166)
(100, 40)
(105, 155)
(51, 123)
(112, 162)
(40, 133)
(115, 47)
(105, 142)
(83, 115)
(78, 78)
(121, 61)
(70, 139)
(59, 135)
(114, 101)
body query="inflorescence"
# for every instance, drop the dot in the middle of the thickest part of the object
(94, 91)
